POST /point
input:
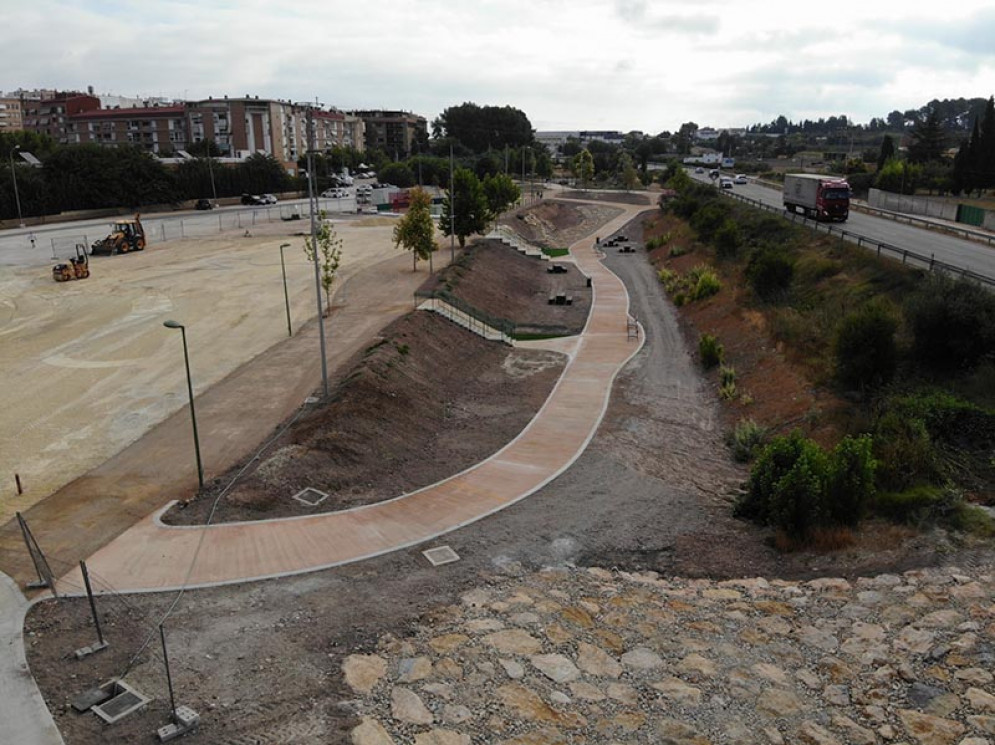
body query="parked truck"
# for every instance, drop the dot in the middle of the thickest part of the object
(821, 197)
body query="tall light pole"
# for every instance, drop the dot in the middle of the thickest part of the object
(452, 210)
(193, 414)
(13, 175)
(313, 204)
(210, 170)
(286, 296)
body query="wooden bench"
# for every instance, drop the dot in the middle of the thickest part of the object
(556, 269)
(560, 298)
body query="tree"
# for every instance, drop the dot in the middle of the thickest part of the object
(471, 213)
(481, 128)
(416, 230)
(984, 163)
(501, 193)
(582, 166)
(398, 174)
(204, 148)
(330, 248)
(887, 151)
(627, 172)
(928, 140)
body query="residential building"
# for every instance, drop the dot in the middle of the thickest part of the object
(157, 129)
(394, 132)
(11, 115)
(51, 115)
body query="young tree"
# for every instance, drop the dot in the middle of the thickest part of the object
(416, 230)
(501, 193)
(627, 172)
(887, 151)
(471, 211)
(330, 248)
(928, 139)
(582, 166)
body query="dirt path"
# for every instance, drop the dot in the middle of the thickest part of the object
(233, 417)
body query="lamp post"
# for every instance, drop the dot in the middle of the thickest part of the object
(286, 296)
(13, 175)
(193, 414)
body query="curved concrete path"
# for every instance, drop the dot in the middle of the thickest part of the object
(154, 557)
(24, 716)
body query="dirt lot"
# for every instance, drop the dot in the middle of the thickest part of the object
(88, 367)
(261, 662)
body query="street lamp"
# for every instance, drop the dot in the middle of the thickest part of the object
(286, 296)
(193, 414)
(13, 175)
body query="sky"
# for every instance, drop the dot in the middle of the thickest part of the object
(586, 64)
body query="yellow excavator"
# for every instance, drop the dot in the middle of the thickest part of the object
(77, 268)
(125, 236)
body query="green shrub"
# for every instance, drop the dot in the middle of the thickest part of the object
(727, 375)
(770, 272)
(710, 351)
(905, 452)
(728, 239)
(703, 282)
(727, 391)
(676, 251)
(710, 217)
(850, 481)
(952, 323)
(866, 355)
(797, 487)
(745, 439)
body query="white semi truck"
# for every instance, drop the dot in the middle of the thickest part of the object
(821, 197)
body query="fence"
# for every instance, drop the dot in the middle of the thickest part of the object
(908, 257)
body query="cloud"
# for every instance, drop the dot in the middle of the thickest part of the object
(635, 13)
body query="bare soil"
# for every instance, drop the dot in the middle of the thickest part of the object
(261, 661)
(558, 224)
(619, 197)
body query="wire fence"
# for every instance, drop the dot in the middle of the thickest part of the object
(907, 257)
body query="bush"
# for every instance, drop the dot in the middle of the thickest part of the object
(702, 282)
(710, 351)
(770, 272)
(866, 355)
(797, 487)
(952, 323)
(728, 239)
(745, 439)
(850, 482)
(710, 218)
(905, 452)
(919, 505)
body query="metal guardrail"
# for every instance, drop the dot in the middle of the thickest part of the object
(929, 263)
(508, 328)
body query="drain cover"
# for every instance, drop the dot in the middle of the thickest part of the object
(310, 497)
(441, 555)
(125, 701)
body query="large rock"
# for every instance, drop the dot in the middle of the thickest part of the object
(642, 659)
(370, 732)
(930, 730)
(363, 671)
(407, 706)
(556, 667)
(514, 641)
(594, 660)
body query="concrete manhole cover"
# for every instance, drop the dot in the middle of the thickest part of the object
(310, 497)
(441, 555)
(125, 701)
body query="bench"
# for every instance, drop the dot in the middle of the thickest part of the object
(626, 250)
(556, 269)
(560, 298)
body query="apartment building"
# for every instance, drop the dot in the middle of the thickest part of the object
(11, 115)
(394, 132)
(51, 115)
(157, 129)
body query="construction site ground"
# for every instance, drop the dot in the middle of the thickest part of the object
(261, 662)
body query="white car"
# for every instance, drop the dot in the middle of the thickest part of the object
(741, 178)
(268, 199)
(334, 194)
(725, 182)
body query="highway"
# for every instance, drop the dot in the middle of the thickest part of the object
(958, 252)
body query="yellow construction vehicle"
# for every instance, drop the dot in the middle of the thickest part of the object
(77, 268)
(126, 235)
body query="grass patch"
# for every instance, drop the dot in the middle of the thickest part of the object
(555, 252)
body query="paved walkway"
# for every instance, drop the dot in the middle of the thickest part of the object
(151, 556)
(26, 720)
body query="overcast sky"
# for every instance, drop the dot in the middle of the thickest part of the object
(582, 64)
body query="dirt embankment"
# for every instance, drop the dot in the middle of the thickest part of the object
(508, 285)
(427, 400)
(618, 197)
(558, 224)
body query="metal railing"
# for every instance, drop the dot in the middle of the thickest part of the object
(946, 227)
(930, 263)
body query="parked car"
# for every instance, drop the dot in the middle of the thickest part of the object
(204, 204)
(334, 193)
(699, 169)
(268, 199)
(252, 199)
(725, 182)
(741, 178)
